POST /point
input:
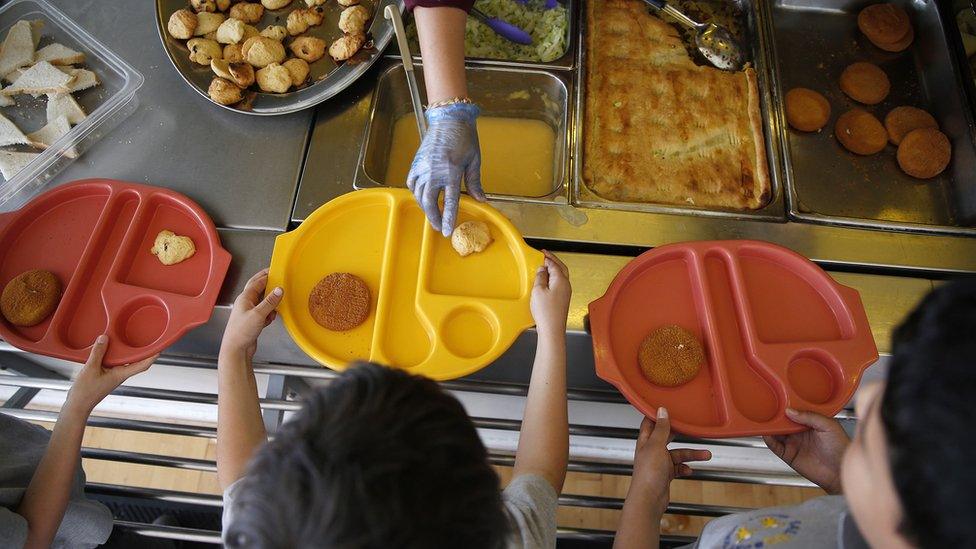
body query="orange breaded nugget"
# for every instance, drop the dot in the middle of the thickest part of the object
(860, 132)
(886, 26)
(30, 297)
(806, 110)
(924, 153)
(670, 356)
(901, 120)
(339, 302)
(865, 83)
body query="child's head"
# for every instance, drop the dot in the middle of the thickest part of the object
(910, 473)
(378, 458)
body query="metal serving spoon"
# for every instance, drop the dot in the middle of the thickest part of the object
(714, 41)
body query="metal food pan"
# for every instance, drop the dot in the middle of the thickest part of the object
(566, 61)
(509, 93)
(756, 40)
(815, 40)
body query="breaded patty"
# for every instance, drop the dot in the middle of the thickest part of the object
(30, 297)
(339, 302)
(670, 356)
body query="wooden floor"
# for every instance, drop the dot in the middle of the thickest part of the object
(716, 493)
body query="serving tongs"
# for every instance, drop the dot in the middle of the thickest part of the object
(392, 13)
(715, 42)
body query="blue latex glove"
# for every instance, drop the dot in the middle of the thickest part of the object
(449, 151)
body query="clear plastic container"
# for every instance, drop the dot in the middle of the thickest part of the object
(107, 104)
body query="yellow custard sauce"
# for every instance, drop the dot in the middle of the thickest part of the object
(516, 155)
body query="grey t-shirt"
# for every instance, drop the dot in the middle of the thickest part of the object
(820, 522)
(86, 523)
(530, 500)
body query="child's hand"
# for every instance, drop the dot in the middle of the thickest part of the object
(655, 466)
(550, 296)
(816, 453)
(94, 382)
(251, 314)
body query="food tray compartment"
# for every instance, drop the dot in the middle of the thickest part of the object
(777, 331)
(565, 61)
(756, 41)
(92, 234)
(507, 93)
(419, 320)
(107, 104)
(815, 41)
(326, 77)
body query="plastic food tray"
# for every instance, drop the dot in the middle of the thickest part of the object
(106, 104)
(432, 312)
(777, 332)
(96, 234)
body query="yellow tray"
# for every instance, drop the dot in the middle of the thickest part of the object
(432, 311)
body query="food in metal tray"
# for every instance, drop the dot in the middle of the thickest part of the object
(222, 40)
(658, 127)
(901, 120)
(887, 26)
(807, 110)
(670, 356)
(860, 132)
(30, 297)
(924, 153)
(865, 83)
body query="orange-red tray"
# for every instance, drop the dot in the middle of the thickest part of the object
(777, 332)
(96, 234)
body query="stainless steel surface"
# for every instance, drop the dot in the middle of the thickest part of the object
(393, 15)
(713, 41)
(756, 48)
(328, 78)
(815, 41)
(566, 61)
(242, 170)
(508, 93)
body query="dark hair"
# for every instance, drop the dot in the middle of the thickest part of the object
(929, 415)
(377, 458)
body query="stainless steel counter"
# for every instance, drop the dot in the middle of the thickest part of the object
(242, 169)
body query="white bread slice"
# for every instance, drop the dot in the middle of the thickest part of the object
(53, 131)
(17, 49)
(43, 77)
(10, 134)
(63, 104)
(84, 79)
(57, 54)
(12, 162)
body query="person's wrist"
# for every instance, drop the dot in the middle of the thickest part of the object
(78, 406)
(651, 499)
(551, 332)
(233, 352)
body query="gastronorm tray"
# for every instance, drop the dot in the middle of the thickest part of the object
(503, 92)
(328, 79)
(566, 61)
(753, 22)
(432, 312)
(95, 235)
(815, 40)
(776, 329)
(107, 104)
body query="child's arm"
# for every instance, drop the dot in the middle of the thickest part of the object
(240, 427)
(815, 453)
(47, 494)
(650, 486)
(543, 447)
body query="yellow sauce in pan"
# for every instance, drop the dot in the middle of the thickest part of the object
(516, 155)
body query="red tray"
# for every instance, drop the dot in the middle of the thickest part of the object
(96, 234)
(777, 332)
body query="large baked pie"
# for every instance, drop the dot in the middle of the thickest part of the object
(658, 127)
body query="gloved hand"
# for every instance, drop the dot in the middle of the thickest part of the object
(449, 150)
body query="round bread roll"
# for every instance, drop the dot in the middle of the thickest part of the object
(224, 91)
(261, 51)
(182, 24)
(30, 297)
(865, 83)
(901, 120)
(860, 132)
(344, 47)
(670, 356)
(274, 78)
(339, 302)
(886, 26)
(806, 110)
(247, 12)
(309, 48)
(924, 153)
(298, 68)
(471, 237)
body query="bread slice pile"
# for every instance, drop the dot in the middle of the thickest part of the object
(49, 71)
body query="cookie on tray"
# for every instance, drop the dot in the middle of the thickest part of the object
(339, 302)
(30, 297)
(670, 356)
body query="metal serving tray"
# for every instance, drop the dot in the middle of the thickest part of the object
(327, 77)
(757, 42)
(504, 92)
(815, 40)
(565, 62)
